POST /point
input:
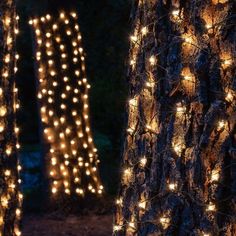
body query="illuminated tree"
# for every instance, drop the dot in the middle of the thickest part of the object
(179, 155)
(63, 93)
(9, 191)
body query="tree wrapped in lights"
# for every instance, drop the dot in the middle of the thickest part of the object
(10, 196)
(180, 150)
(63, 93)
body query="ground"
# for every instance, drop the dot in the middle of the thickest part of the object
(49, 225)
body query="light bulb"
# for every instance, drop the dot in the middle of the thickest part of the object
(211, 207)
(172, 186)
(117, 228)
(133, 38)
(152, 60)
(143, 162)
(142, 204)
(144, 31)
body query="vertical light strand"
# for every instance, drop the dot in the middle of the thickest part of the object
(11, 198)
(63, 95)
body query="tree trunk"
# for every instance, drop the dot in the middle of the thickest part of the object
(179, 173)
(63, 93)
(9, 192)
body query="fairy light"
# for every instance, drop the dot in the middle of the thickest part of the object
(119, 201)
(221, 125)
(180, 108)
(215, 175)
(10, 202)
(172, 186)
(132, 62)
(208, 26)
(133, 102)
(211, 207)
(186, 84)
(143, 162)
(150, 84)
(144, 30)
(133, 38)
(229, 97)
(142, 205)
(130, 130)
(178, 149)
(117, 228)
(226, 60)
(152, 61)
(175, 13)
(69, 133)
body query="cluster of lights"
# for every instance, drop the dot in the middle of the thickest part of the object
(63, 98)
(10, 196)
(190, 45)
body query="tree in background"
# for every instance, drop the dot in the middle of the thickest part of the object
(9, 192)
(63, 92)
(106, 48)
(179, 155)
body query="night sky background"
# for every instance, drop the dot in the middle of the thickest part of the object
(105, 27)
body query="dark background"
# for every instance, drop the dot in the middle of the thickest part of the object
(105, 27)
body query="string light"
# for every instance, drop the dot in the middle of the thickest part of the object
(133, 102)
(180, 108)
(133, 38)
(221, 124)
(178, 148)
(172, 186)
(143, 162)
(130, 130)
(215, 175)
(117, 228)
(229, 97)
(152, 60)
(211, 207)
(132, 62)
(142, 205)
(119, 201)
(226, 60)
(11, 198)
(66, 125)
(175, 13)
(144, 31)
(188, 117)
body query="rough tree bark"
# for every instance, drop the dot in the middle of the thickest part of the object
(9, 190)
(179, 163)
